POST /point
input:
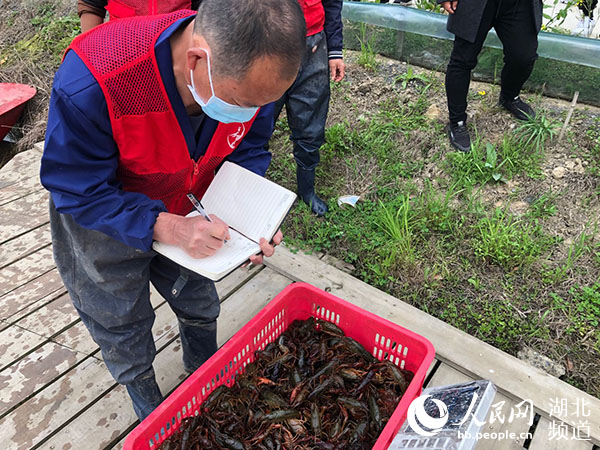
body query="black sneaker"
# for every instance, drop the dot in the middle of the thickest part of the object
(517, 108)
(459, 136)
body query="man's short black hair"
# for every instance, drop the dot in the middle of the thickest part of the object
(241, 31)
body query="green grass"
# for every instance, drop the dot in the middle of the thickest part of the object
(544, 206)
(488, 162)
(368, 56)
(535, 132)
(509, 241)
(581, 306)
(584, 244)
(411, 75)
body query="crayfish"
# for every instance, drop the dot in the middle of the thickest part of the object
(312, 388)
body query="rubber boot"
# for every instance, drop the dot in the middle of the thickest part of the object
(145, 394)
(306, 191)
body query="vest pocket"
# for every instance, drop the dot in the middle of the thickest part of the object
(119, 10)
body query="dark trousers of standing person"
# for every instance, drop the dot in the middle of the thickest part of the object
(514, 25)
(306, 104)
(109, 284)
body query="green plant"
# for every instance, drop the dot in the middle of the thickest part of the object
(582, 310)
(581, 245)
(534, 132)
(555, 22)
(508, 241)
(480, 165)
(429, 5)
(410, 75)
(367, 57)
(398, 226)
(433, 211)
(543, 206)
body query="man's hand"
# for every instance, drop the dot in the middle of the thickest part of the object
(195, 235)
(266, 248)
(337, 69)
(450, 7)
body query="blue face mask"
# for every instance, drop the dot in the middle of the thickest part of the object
(217, 109)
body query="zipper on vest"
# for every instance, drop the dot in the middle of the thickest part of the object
(195, 173)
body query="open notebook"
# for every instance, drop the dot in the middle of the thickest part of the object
(251, 205)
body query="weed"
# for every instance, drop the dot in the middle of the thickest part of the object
(47, 44)
(487, 162)
(367, 57)
(534, 132)
(517, 159)
(508, 241)
(543, 206)
(434, 213)
(398, 226)
(410, 75)
(581, 245)
(478, 166)
(582, 309)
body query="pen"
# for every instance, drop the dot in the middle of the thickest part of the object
(192, 198)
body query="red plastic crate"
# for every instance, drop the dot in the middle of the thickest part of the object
(298, 301)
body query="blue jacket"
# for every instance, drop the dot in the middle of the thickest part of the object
(333, 27)
(80, 160)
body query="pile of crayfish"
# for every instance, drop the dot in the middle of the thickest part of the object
(313, 388)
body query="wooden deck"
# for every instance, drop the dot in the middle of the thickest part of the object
(57, 393)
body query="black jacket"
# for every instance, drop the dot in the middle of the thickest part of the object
(465, 21)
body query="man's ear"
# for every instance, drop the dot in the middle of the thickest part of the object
(193, 56)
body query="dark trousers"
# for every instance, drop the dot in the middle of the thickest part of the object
(513, 22)
(307, 101)
(108, 282)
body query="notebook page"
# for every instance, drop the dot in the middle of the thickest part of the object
(235, 252)
(247, 202)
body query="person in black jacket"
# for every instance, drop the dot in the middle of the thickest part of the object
(517, 23)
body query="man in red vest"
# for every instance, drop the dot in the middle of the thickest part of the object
(93, 12)
(143, 111)
(307, 101)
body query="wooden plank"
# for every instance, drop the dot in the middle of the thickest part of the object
(547, 436)
(34, 372)
(234, 280)
(22, 215)
(24, 245)
(38, 147)
(21, 188)
(35, 419)
(105, 421)
(513, 377)
(16, 342)
(78, 338)
(15, 304)
(24, 165)
(446, 375)
(51, 318)
(25, 270)
(40, 326)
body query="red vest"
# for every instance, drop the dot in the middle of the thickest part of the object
(314, 15)
(119, 9)
(153, 155)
